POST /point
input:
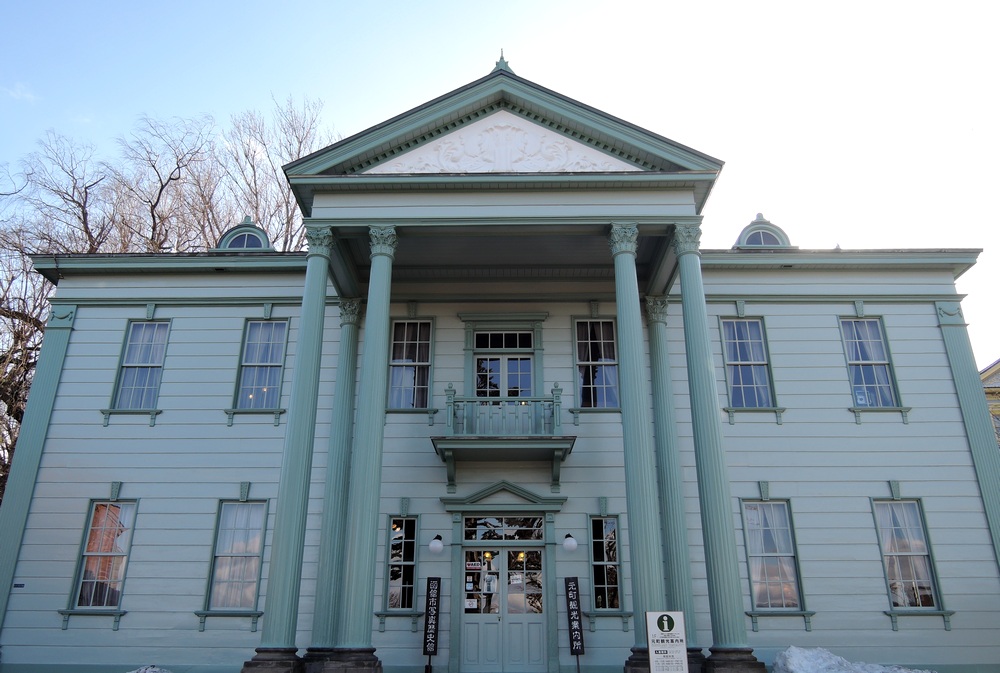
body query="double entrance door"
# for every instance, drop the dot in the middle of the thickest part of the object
(504, 610)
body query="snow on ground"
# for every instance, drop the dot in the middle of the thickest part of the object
(818, 660)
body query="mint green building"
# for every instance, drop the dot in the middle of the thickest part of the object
(504, 362)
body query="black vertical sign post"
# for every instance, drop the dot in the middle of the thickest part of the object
(433, 600)
(575, 624)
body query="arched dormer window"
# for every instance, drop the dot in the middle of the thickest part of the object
(762, 234)
(245, 236)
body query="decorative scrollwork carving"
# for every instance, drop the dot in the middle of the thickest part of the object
(686, 238)
(349, 311)
(383, 240)
(656, 309)
(624, 237)
(320, 240)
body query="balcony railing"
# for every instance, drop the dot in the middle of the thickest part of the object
(503, 416)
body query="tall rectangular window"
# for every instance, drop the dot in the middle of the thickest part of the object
(774, 582)
(905, 554)
(261, 365)
(402, 563)
(410, 365)
(597, 364)
(746, 363)
(868, 362)
(236, 562)
(105, 555)
(604, 562)
(141, 366)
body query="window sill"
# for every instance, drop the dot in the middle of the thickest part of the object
(592, 616)
(253, 615)
(576, 411)
(894, 615)
(805, 614)
(230, 413)
(857, 411)
(414, 615)
(92, 612)
(732, 411)
(152, 413)
(430, 411)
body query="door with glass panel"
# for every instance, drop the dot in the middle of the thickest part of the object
(504, 610)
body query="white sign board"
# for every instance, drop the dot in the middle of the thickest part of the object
(667, 642)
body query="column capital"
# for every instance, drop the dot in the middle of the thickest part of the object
(686, 237)
(624, 238)
(320, 240)
(656, 309)
(350, 309)
(383, 241)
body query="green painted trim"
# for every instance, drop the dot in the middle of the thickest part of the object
(958, 260)
(30, 445)
(55, 267)
(480, 98)
(532, 501)
(830, 299)
(500, 181)
(975, 412)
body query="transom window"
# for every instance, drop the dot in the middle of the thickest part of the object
(746, 363)
(504, 374)
(236, 563)
(402, 562)
(868, 361)
(503, 528)
(105, 555)
(261, 366)
(597, 364)
(906, 554)
(604, 563)
(774, 582)
(141, 366)
(410, 366)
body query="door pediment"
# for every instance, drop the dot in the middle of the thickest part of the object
(506, 496)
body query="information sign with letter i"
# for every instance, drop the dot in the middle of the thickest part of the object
(667, 642)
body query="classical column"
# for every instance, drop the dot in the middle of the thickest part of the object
(645, 548)
(975, 412)
(30, 444)
(277, 651)
(355, 651)
(333, 528)
(680, 592)
(730, 650)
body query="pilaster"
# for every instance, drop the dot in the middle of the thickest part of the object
(326, 617)
(277, 651)
(645, 547)
(30, 444)
(366, 462)
(975, 412)
(725, 597)
(680, 591)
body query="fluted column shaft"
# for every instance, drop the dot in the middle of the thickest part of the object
(648, 590)
(285, 573)
(724, 595)
(327, 617)
(680, 592)
(366, 456)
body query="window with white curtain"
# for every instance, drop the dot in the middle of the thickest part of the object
(770, 545)
(141, 365)
(261, 364)
(906, 554)
(746, 363)
(410, 364)
(597, 364)
(868, 362)
(236, 562)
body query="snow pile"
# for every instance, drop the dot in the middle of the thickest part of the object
(818, 660)
(150, 669)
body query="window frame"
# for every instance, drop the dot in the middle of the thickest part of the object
(886, 363)
(578, 365)
(928, 556)
(765, 363)
(428, 366)
(596, 587)
(244, 366)
(387, 608)
(791, 553)
(124, 367)
(83, 555)
(209, 609)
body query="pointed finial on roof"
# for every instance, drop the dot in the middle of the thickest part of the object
(502, 64)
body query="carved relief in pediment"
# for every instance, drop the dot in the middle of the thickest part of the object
(502, 143)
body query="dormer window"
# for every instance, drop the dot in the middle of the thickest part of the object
(245, 236)
(762, 234)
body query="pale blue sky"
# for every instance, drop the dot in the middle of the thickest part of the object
(863, 124)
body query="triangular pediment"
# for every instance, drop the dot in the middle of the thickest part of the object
(506, 496)
(502, 143)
